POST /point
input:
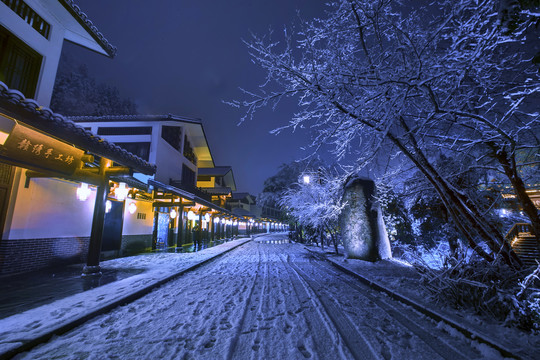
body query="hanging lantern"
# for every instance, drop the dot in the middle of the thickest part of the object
(216, 220)
(173, 213)
(83, 192)
(132, 207)
(121, 191)
(191, 215)
(207, 217)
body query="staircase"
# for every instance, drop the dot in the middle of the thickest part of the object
(524, 243)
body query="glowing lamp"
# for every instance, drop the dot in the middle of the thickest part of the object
(108, 206)
(207, 217)
(216, 220)
(121, 191)
(83, 192)
(235, 223)
(173, 213)
(223, 221)
(132, 207)
(191, 215)
(306, 179)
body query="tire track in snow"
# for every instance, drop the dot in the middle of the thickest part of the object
(356, 342)
(240, 325)
(327, 338)
(397, 311)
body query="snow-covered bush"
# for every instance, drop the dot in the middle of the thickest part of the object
(490, 289)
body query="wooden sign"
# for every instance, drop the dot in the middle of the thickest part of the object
(35, 149)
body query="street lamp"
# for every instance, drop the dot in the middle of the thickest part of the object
(306, 179)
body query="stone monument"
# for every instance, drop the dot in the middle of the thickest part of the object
(362, 225)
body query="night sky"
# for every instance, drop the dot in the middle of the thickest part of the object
(186, 57)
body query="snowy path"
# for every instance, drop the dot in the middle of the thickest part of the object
(264, 300)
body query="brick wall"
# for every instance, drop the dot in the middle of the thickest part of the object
(23, 255)
(136, 244)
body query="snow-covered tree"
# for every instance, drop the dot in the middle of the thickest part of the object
(422, 78)
(316, 203)
(76, 92)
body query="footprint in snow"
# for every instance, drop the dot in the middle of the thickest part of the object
(305, 353)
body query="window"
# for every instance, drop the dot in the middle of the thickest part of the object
(131, 130)
(188, 151)
(204, 178)
(30, 16)
(142, 149)
(173, 136)
(19, 64)
(188, 175)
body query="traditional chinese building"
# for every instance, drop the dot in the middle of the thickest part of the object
(186, 215)
(48, 165)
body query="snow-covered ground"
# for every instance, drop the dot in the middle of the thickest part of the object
(267, 299)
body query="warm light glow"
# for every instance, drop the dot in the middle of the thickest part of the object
(191, 215)
(207, 217)
(216, 220)
(132, 207)
(3, 137)
(235, 223)
(108, 206)
(173, 213)
(306, 179)
(83, 192)
(223, 221)
(121, 191)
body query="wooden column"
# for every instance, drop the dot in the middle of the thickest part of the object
(179, 237)
(212, 228)
(96, 234)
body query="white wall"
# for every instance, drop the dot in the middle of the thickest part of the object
(134, 226)
(49, 208)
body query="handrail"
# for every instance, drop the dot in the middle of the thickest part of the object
(518, 229)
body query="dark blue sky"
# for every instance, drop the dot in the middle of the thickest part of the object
(185, 57)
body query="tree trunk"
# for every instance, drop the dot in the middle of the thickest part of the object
(508, 164)
(467, 218)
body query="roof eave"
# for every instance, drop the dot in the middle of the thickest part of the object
(82, 19)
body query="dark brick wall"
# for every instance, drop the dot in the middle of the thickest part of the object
(136, 244)
(23, 255)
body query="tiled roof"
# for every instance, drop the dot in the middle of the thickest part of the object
(240, 195)
(215, 171)
(44, 119)
(81, 17)
(115, 118)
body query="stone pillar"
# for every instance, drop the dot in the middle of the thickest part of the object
(362, 226)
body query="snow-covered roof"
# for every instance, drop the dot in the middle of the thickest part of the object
(44, 119)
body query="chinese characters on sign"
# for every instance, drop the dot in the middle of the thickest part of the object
(39, 150)
(35, 149)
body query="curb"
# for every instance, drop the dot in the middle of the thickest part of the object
(471, 334)
(59, 330)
